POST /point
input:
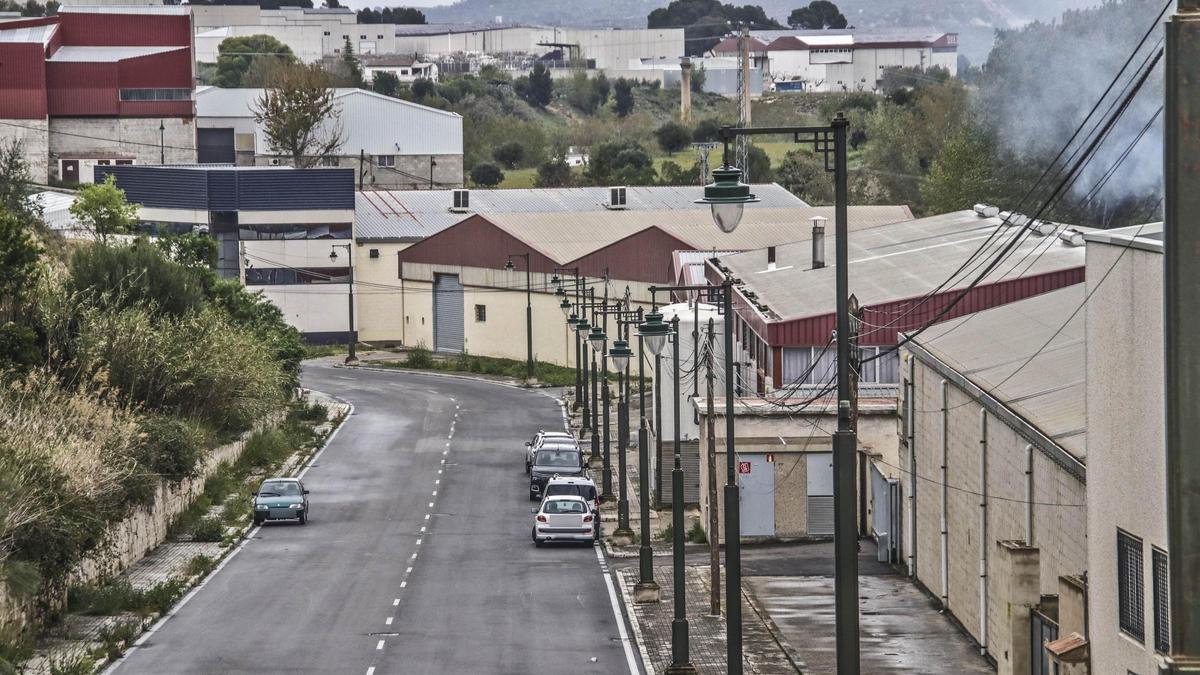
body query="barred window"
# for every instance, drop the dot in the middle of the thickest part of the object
(1130, 583)
(178, 94)
(1162, 601)
(481, 313)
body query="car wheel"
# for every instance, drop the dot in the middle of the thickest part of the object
(533, 496)
(303, 518)
(258, 521)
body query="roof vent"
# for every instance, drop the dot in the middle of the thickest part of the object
(616, 198)
(1071, 237)
(818, 242)
(462, 201)
(987, 211)
(1042, 227)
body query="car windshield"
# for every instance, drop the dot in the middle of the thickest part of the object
(557, 506)
(588, 492)
(280, 489)
(558, 458)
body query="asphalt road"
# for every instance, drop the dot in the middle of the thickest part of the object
(417, 557)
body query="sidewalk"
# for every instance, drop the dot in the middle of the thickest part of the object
(764, 652)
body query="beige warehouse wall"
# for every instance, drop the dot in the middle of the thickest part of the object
(1059, 530)
(1126, 445)
(380, 298)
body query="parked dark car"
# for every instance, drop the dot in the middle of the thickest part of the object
(553, 461)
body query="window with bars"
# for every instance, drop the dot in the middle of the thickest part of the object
(1130, 581)
(481, 313)
(1162, 601)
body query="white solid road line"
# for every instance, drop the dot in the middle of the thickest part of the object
(221, 565)
(630, 659)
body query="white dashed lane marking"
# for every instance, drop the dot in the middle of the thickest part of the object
(380, 645)
(388, 621)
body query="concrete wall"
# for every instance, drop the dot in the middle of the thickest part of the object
(503, 334)
(306, 42)
(381, 310)
(35, 144)
(135, 137)
(808, 433)
(1059, 516)
(1126, 447)
(863, 72)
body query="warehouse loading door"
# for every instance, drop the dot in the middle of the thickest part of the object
(447, 313)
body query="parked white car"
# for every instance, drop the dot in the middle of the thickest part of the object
(566, 518)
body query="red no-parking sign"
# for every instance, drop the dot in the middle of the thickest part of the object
(743, 467)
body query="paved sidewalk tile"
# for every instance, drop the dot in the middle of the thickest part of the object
(763, 651)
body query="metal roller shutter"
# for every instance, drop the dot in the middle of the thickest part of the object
(689, 455)
(447, 313)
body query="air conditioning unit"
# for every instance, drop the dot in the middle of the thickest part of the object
(462, 201)
(617, 198)
(274, 161)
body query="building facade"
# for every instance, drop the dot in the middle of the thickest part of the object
(283, 231)
(311, 33)
(98, 86)
(390, 143)
(1127, 547)
(843, 59)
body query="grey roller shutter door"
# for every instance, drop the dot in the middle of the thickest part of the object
(689, 455)
(447, 313)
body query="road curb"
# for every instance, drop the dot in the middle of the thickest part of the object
(453, 376)
(635, 627)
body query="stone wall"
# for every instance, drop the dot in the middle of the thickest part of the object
(32, 134)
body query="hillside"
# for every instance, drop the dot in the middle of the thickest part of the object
(974, 20)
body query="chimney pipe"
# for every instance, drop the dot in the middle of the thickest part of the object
(685, 90)
(770, 258)
(818, 242)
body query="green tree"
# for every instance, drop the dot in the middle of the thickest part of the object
(541, 87)
(673, 174)
(553, 173)
(348, 70)
(385, 83)
(818, 15)
(192, 250)
(16, 184)
(584, 95)
(706, 21)
(19, 254)
(101, 208)
(236, 54)
(299, 117)
(673, 137)
(621, 162)
(623, 97)
(963, 174)
(708, 130)
(803, 174)
(486, 175)
(423, 87)
(759, 165)
(698, 78)
(509, 154)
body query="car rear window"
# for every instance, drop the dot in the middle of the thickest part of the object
(588, 492)
(556, 506)
(564, 458)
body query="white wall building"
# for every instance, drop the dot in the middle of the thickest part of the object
(406, 68)
(846, 59)
(610, 48)
(404, 145)
(294, 26)
(306, 42)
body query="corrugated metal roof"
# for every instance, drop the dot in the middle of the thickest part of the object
(106, 54)
(409, 215)
(36, 34)
(858, 36)
(56, 209)
(989, 347)
(126, 9)
(412, 29)
(902, 260)
(567, 236)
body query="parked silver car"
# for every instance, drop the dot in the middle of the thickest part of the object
(565, 518)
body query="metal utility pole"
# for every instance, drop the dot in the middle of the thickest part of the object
(432, 165)
(162, 143)
(845, 443)
(702, 150)
(681, 661)
(714, 539)
(1181, 321)
(743, 96)
(528, 313)
(350, 355)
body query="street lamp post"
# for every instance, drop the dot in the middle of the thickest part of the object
(681, 662)
(620, 354)
(350, 356)
(652, 333)
(727, 196)
(598, 339)
(508, 265)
